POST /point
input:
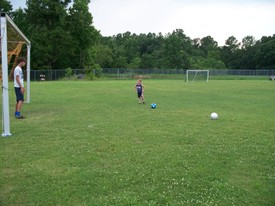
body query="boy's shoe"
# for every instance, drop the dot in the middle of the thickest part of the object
(143, 102)
(19, 117)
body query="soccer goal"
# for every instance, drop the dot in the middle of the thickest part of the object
(197, 75)
(13, 44)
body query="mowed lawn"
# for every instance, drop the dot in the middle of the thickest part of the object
(91, 143)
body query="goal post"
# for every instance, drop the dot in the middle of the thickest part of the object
(11, 37)
(197, 75)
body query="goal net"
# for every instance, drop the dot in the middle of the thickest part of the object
(13, 44)
(197, 75)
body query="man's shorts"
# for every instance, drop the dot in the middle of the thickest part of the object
(18, 94)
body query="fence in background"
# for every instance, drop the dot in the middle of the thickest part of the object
(52, 75)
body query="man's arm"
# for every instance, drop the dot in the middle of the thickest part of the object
(19, 83)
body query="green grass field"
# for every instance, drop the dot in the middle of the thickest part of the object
(91, 143)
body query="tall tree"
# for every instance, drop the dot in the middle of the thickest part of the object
(247, 53)
(19, 18)
(196, 50)
(5, 6)
(51, 42)
(265, 53)
(104, 56)
(232, 44)
(131, 47)
(231, 54)
(84, 34)
(208, 44)
(177, 46)
(248, 41)
(149, 46)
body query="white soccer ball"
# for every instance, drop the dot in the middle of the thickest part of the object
(214, 116)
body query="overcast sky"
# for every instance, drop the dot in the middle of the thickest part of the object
(197, 18)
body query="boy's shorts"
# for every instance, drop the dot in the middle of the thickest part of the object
(139, 94)
(18, 94)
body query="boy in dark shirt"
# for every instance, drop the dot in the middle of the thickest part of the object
(140, 91)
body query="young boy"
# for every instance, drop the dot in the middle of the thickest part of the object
(19, 86)
(140, 91)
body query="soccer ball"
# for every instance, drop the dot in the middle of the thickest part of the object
(214, 116)
(153, 105)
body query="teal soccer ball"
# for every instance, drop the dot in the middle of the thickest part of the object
(153, 105)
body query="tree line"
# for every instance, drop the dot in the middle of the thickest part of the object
(63, 36)
(177, 51)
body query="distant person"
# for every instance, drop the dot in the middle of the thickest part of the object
(19, 86)
(140, 91)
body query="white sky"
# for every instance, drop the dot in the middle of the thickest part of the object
(197, 18)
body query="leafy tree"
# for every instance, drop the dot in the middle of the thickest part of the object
(149, 61)
(117, 42)
(120, 62)
(214, 54)
(131, 48)
(196, 43)
(150, 46)
(61, 33)
(206, 63)
(264, 56)
(19, 18)
(176, 47)
(149, 43)
(104, 56)
(50, 40)
(196, 50)
(232, 44)
(231, 54)
(49, 13)
(135, 64)
(248, 42)
(5, 6)
(208, 44)
(206, 54)
(247, 53)
(83, 33)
